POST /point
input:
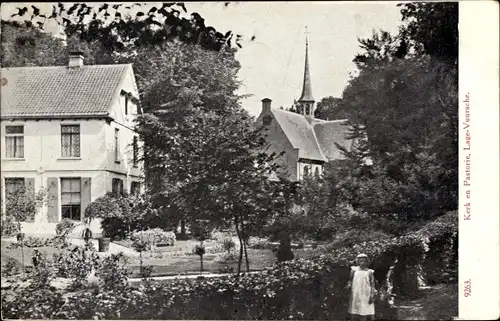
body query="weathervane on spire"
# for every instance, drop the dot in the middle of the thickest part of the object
(306, 33)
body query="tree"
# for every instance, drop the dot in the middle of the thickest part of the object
(434, 26)
(328, 109)
(404, 158)
(405, 137)
(181, 84)
(22, 204)
(22, 46)
(122, 28)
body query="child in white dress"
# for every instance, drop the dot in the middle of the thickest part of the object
(362, 286)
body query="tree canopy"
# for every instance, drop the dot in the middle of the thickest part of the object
(402, 106)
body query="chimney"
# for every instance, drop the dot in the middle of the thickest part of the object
(266, 105)
(75, 59)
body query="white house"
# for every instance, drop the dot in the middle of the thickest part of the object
(69, 129)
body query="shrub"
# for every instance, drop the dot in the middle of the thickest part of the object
(155, 237)
(11, 267)
(228, 245)
(65, 227)
(76, 262)
(35, 242)
(9, 226)
(113, 272)
(201, 230)
(120, 214)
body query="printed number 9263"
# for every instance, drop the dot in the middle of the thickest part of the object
(467, 288)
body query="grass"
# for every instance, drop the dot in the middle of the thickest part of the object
(172, 260)
(16, 254)
(439, 302)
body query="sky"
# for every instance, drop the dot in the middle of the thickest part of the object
(272, 65)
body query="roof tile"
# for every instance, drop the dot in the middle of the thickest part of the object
(315, 140)
(59, 91)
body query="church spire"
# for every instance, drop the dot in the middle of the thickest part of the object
(306, 96)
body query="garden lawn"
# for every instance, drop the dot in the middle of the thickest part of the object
(180, 259)
(16, 253)
(171, 260)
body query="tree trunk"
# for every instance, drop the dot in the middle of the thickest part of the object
(183, 228)
(22, 246)
(240, 259)
(201, 264)
(246, 254)
(140, 263)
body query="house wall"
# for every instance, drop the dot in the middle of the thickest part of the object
(43, 163)
(301, 165)
(278, 142)
(42, 146)
(124, 122)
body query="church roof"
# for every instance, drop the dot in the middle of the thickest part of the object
(315, 140)
(300, 134)
(330, 132)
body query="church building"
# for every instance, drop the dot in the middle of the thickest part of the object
(308, 143)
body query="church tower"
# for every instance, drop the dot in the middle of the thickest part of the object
(306, 100)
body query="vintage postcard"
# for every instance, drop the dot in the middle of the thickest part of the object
(250, 160)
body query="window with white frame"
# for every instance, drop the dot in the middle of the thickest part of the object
(71, 198)
(70, 140)
(14, 141)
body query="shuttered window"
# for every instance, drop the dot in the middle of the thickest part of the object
(71, 198)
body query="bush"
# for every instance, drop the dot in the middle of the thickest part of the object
(120, 214)
(155, 237)
(76, 262)
(35, 242)
(228, 245)
(11, 267)
(113, 272)
(65, 227)
(9, 226)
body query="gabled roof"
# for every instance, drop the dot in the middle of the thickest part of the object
(300, 134)
(315, 139)
(46, 92)
(330, 132)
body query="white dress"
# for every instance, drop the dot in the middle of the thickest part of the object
(360, 293)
